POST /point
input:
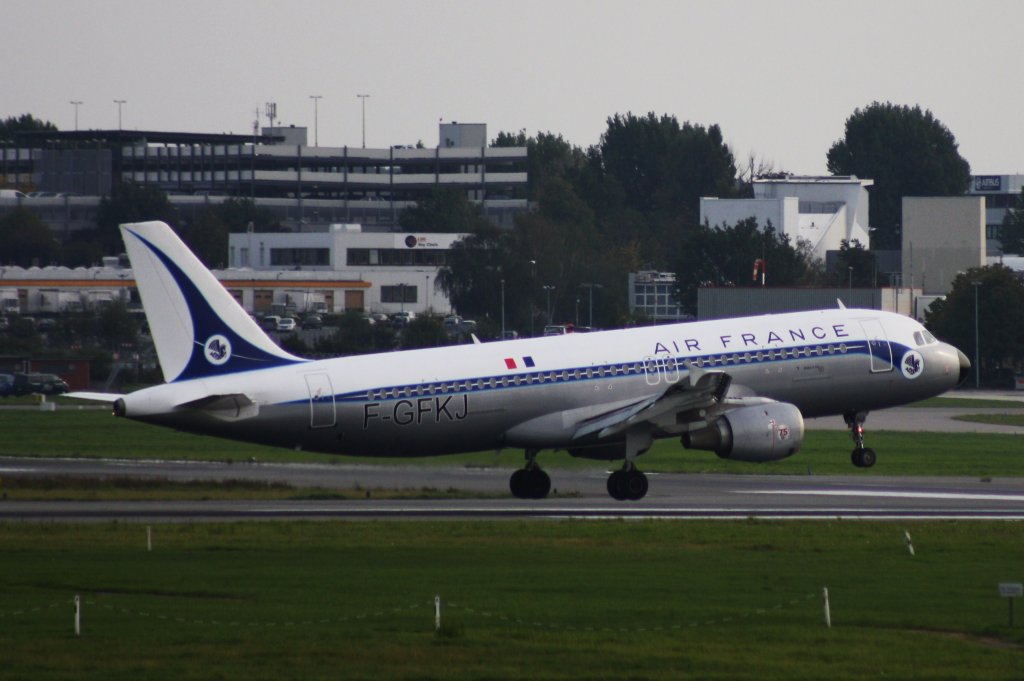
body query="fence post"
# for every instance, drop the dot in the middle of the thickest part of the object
(149, 538)
(437, 613)
(828, 610)
(78, 615)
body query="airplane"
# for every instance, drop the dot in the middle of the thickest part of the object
(738, 387)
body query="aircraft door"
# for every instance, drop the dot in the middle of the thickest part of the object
(878, 345)
(321, 401)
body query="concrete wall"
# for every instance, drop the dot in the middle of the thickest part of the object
(942, 236)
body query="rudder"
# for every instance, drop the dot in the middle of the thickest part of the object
(198, 328)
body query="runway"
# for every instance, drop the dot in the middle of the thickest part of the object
(577, 494)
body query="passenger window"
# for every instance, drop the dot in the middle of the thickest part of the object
(918, 338)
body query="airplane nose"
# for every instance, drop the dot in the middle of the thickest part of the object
(965, 367)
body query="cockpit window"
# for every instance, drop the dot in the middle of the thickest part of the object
(922, 337)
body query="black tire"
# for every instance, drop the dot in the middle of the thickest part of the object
(616, 485)
(635, 485)
(518, 484)
(538, 483)
(867, 458)
(855, 458)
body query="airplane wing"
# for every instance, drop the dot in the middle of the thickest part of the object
(691, 395)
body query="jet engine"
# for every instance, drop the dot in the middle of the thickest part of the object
(763, 432)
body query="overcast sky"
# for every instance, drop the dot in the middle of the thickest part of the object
(780, 78)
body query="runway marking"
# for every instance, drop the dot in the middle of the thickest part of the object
(966, 496)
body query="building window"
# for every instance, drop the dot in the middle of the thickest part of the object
(396, 257)
(402, 293)
(292, 257)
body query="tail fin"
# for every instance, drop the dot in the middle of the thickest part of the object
(199, 330)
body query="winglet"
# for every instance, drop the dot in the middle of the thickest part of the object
(839, 302)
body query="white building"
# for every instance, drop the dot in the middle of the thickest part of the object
(398, 270)
(652, 294)
(823, 211)
(1001, 193)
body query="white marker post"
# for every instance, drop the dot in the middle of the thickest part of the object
(149, 538)
(910, 543)
(827, 609)
(78, 615)
(437, 613)
(1009, 591)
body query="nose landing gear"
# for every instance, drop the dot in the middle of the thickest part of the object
(861, 457)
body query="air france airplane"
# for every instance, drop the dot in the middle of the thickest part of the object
(738, 387)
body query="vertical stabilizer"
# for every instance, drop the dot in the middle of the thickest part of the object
(199, 330)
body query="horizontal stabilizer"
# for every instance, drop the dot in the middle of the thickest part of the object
(106, 398)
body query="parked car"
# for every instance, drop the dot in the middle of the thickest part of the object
(285, 324)
(312, 321)
(15, 385)
(403, 318)
(555, 330)
(269, 322)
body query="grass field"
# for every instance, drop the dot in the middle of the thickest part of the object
(611, 600)
(72, 433)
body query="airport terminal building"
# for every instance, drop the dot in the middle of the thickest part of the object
(306, 187)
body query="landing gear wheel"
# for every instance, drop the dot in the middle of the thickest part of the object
(529, 483)
(628, 485)
(863, 457)
(538, 483)
(518, 484)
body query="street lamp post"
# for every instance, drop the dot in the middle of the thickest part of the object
(316, 119)
(977, 364)
(76, 103)
(590, 323)
(849, 281)
(120, 103)
(364, 97)
(503, 308)
(547, 293)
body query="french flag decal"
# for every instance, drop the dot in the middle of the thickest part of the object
(524, 362)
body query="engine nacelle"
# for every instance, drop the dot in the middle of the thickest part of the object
(763, 432)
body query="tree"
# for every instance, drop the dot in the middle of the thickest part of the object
(26, 239)
(11, 126)
(472, 277)
(712, 256)
(424, 332)
(907, 152)
(1012, 230)
(129, 203)
(446, 209)
(855, 266)
(665, 167)
(1000, 314)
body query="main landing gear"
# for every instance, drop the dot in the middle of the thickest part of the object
(627, 484)
(530, 482)
(861, 457)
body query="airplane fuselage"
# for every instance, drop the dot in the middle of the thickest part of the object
(532, 393)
